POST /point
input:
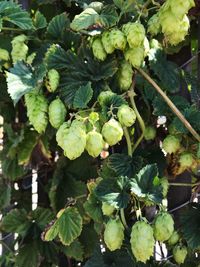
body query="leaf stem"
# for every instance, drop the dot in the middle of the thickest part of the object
(170, 104)
(11, 29)
(128, 141)
(123, 219)
(131, 94)
(184, 184)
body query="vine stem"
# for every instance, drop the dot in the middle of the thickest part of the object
(11, 29)
(131, 95)
(184, 184)
(170, 104)
(123, 219)
(128, 141)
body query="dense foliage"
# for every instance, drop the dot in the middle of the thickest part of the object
(97, 100)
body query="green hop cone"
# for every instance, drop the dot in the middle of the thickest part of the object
(107, 209)
(103, 96)
(171, 144)
(179, 7)
(186, 160)
(37, 108)
(53, 80)
(135, 56)
(118, 39)
(154, 26)
(174, 238)
(126, 116)
(163, 226)
(180, 253)
(135, 33)
(57, 113)
(19, 48)
(142, 241)
(125, 75)
(71, 139)
(94, 144)
(165, 185)
(98, 49)
(112, 132)
(107, 44)
(4, 55)
(114, 234)
(149, 133)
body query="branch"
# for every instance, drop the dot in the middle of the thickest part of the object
(128, 141)
(170, 104)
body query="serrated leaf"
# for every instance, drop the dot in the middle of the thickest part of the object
(5, 194)
(39, 20)
(42, 216)
(58, 25)
(51, 232)
(56, 57)
(142, 185)
(109, 16)
(84, 20)
(190, 221)
(112, 102)
(16, 221)
(11, 169)
(92, 207)
(124, 165)
(75, 251)
(28, 256)
(114, 191)
(69, 225)
(165, 70)
(12, 12)
(20, 80)
(83, 96)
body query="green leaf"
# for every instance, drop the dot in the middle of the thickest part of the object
(39, 21)
(112, 102)
(57, 26)
(75, 251)
(51, 231)
(11, 169)
(10, 11)
(142, 185)
(28, 256)
(42, 216)
(125, 5)
(165, 70)
(20, 80)
(93, 208)
(114, 191)
(84, 20)
(83, 96)
(109, 16)
(16, 221)
(124, 165)
(5, 194)
(69, 225)
(96, 260)
(190, 221)
(56, 58)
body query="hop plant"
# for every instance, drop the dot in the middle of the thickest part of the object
(171, 144)
(154, 26)
(112, 132)
(37, 108)
(94, 144)
(114, 234)
(4, 55)
(180, 253)
(53, 80)
(135, 33)
(126, 115)
(57, 113)
(72, 139)
(179, 7)
(98, 49)
(163, 226)
(103, 96)
(174, 238)
(125, 75)
(165, 185)
(135, 56)
(186, 160)
(107, 209)
(19, 48)
(142, 241)
(118, 39)
(149, 133)
(107, 44)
